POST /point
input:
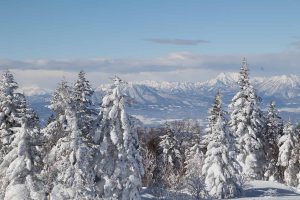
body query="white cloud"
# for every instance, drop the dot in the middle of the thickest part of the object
(171, 62)
(177, 66)
(176, 41)
(46, 79)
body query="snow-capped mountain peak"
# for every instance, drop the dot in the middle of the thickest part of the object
(229, 78)
(33, 90)
(286, 86)
(163, 100)
(291, 80)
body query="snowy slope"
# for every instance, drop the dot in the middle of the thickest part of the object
(270, 190)
(156, 102)
(281, 86)
(192, 100)
(256, 190)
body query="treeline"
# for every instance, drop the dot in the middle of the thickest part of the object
(239, 144)
(80, 154)
(86, 154)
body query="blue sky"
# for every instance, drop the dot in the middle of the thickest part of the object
(146, 34)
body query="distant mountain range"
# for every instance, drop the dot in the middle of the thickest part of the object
(156, 102)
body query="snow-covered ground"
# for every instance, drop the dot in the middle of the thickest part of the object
(270, 190)
(255, 190)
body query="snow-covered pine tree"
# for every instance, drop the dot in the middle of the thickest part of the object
(69, 166)
(213, 114)
(216, 110)
(247, 125)
(8, 111)
(83, 98)
(120, 167)
(287, 157)
(296, 152)
(20, 161)
(196, 146)
(274, 128)
(57, 125)
(218, 169)
(171, 158)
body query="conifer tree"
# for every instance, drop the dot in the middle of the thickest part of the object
(69, 169)
(288, 157)
(194, 158)
(171, 158)
(247, 124)
(218, 168)
(216, 110)
(20, 161)
(214, 113)
(83, 98)
(274, 128)
(120, 167)
(196, 146)
(8, 112)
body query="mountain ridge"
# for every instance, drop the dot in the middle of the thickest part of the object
(162, 101)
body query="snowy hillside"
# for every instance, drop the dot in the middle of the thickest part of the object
(255, 190)
(191, 100)
(285, 86)
(160, 101)
(281, 86)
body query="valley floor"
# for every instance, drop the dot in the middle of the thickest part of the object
(255, 190)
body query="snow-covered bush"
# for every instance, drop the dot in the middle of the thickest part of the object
(270, 193)
(196, 186)
(194, 180)
(149, 163)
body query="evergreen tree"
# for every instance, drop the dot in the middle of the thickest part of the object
(196, 152)
(214, 113)
(287, 157)
(218, 168)
(20, 161)
(69, 169)
(274, 128)
(247, 125)
(120, 167)
(216, 110)
(8, 112)
(194, 158)
(196, 146)
(171, 159)
(83, 98)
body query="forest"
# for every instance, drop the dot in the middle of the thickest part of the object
(96, 150)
